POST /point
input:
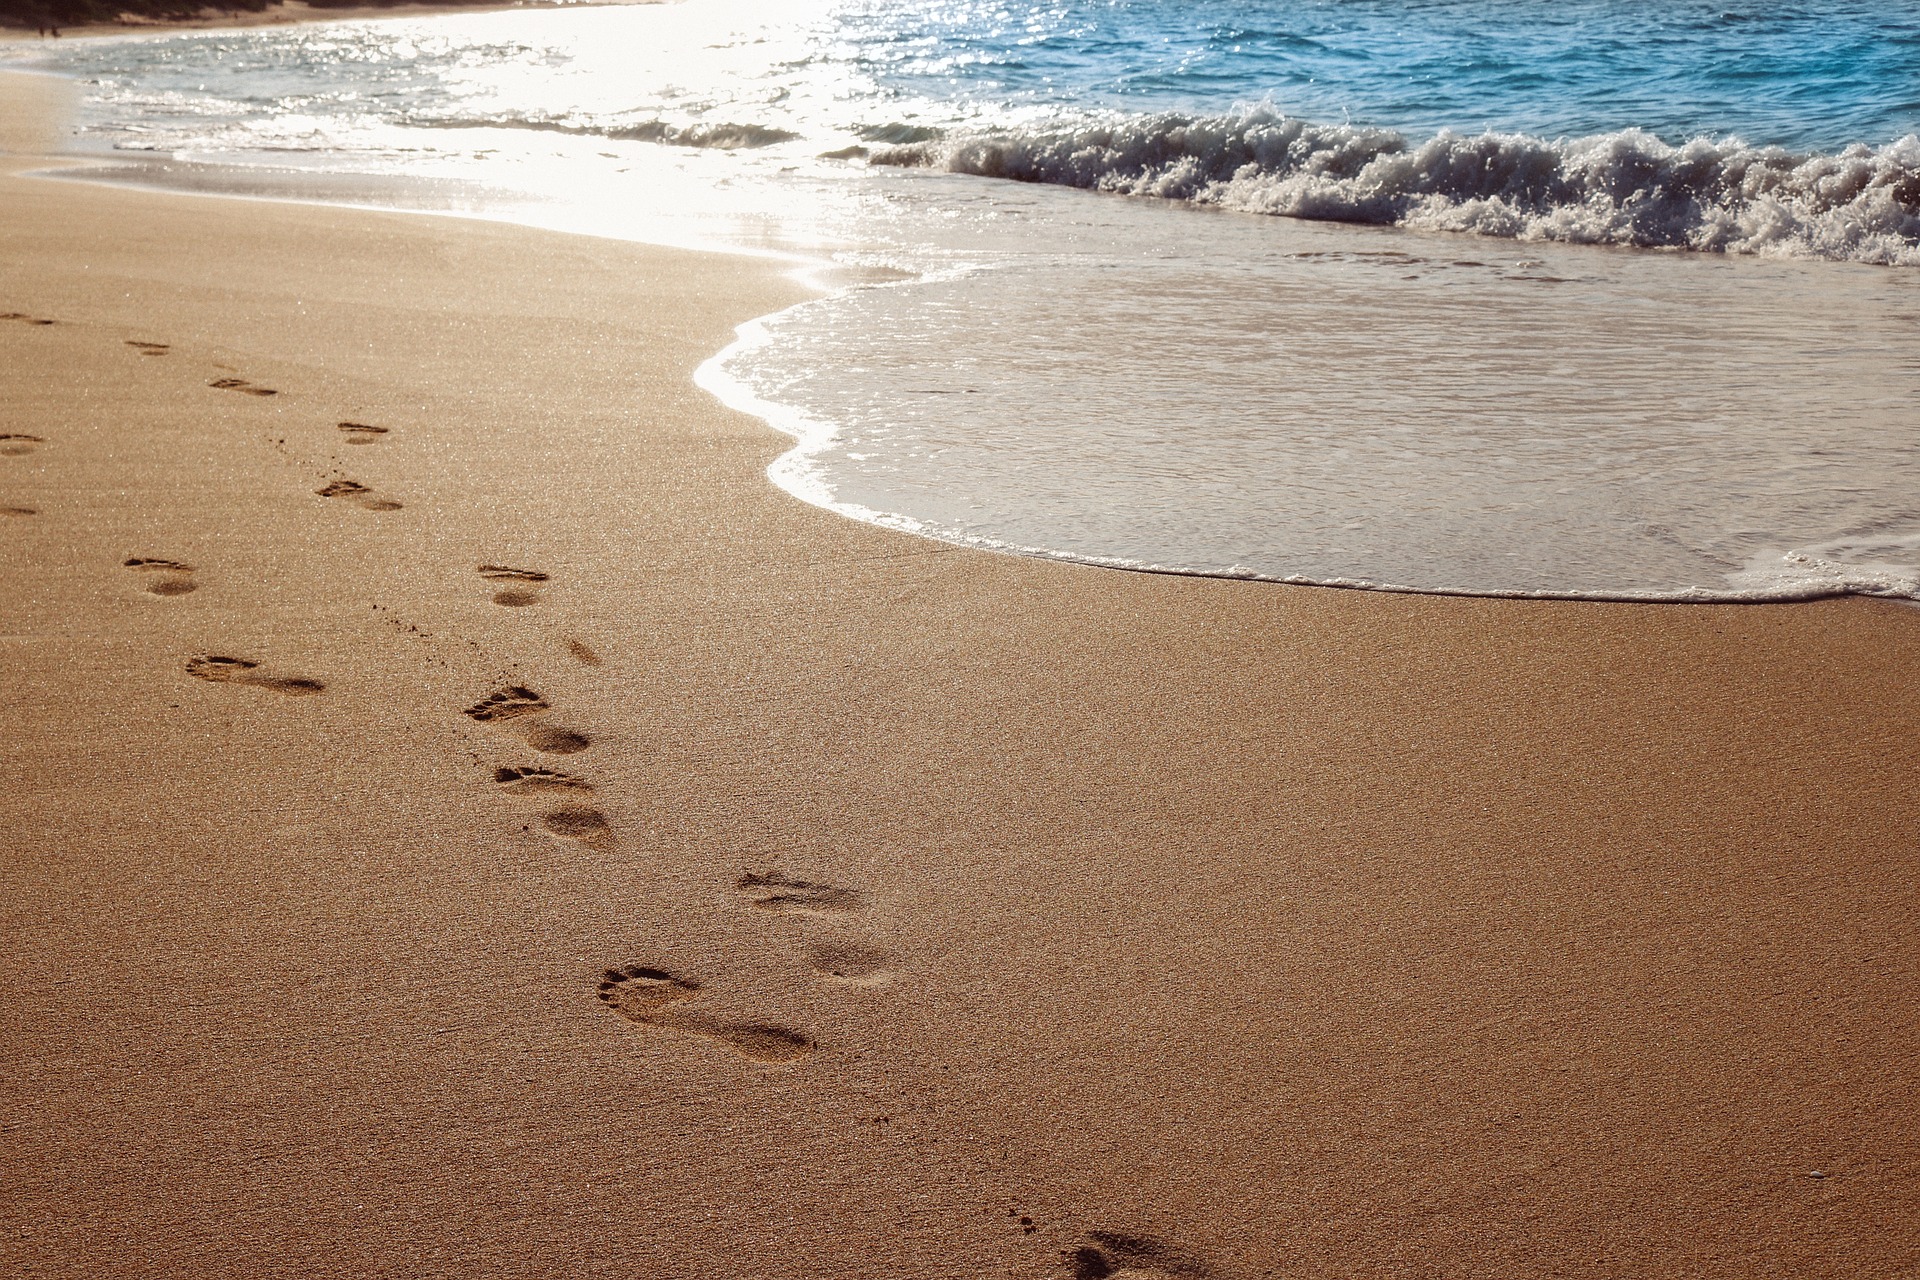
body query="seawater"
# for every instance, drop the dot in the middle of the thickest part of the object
(1587, 299)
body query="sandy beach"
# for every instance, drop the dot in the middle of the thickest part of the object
(464, 821)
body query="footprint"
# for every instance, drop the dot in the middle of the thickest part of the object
(358, 493)
(149, 348)
(582, 654)
(1131, 1257)
(361, 433)
(846, 962)
(18, 511)
(576, 824)
(507, 704)
(16, 443)
(516, 702)
(777, 891)
(241, 671)
(24, 318)
(534, 778)
(242, 385)
(164, 577)
(646, 996)
(513, 597)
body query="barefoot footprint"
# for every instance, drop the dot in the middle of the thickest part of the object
(777, 891)
(361, 433)
(533, 778)
(1132, 1257)
(358, 494)
(241, 671)
(243, 386)
(517, 702)
(848, 962)
(16, 443)
(647, 997)
(163, 577)
(513, 596)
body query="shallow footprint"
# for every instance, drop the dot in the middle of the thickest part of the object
(576, 824)
(164, 577)
(646, 996)
(19, 511)
(513, 596)
(361, 433)
(582, 654)
(243, 386)
(359, 494)
(1130, 1257)
(552, 740)
(24, 318)
(240, 671)
(149, 348)
(534, 778)
(16, 443)
(846, 962)
(506, 704)
(777, 891)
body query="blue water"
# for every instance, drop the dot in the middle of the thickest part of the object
(1806, 77)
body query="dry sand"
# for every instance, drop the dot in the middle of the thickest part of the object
(972, 916)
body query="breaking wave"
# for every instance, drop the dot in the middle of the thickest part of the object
(720, 136)
(1859, 204)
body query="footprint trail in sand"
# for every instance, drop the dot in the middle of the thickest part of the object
(163, 577)
(647, 997)
(223, 670)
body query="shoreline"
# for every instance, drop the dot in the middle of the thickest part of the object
(293, 13)
(666, 869)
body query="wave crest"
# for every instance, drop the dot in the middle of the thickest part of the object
(718, 136)
(1628, 188)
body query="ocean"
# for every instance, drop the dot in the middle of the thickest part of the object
(1596, 299)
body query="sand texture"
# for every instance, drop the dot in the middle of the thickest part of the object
(461, 820)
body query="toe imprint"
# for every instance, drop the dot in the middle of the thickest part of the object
(532, 778)
(506, 704)
(500, 571)
(777, 891)
(243, 386)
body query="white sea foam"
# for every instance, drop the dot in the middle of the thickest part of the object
(1627, 188)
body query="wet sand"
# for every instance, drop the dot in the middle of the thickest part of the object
(462, 820)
